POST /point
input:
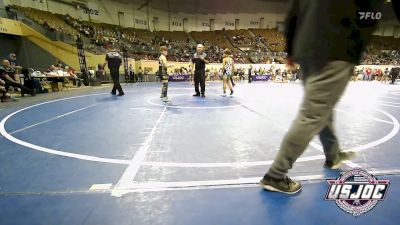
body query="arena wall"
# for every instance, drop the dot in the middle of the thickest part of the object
(152, 66)
(106, 11)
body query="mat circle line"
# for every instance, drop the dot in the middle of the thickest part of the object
(8, 136)
(149, 101)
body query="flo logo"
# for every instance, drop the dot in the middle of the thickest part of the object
(370, 15)
(357, 191)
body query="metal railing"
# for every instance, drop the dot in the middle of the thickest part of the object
(88, 43)
(37, 27)
(9, 14)
(58, 36)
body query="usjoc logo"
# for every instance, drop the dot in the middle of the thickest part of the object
(356, 191)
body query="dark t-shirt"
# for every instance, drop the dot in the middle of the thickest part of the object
(4, 71)
(394, 72)
(114, 59)
(200, 65)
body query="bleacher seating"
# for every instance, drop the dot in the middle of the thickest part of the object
(272, 38)
(173, 35)
(48, 20)
(240, 38)
(254, 45)
(214, 38)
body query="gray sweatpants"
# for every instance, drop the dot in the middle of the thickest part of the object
(324, 84)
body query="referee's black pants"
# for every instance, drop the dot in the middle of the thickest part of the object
(394, 77)
(200, 80)
(115, 78)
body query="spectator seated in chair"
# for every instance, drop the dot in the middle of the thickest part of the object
(72, 76)
(100, 72)
(7, 73)
(13, 63)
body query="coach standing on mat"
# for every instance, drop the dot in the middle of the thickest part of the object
(326, 38)
(114, 61)
(199, 62)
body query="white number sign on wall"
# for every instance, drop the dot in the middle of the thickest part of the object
(92, 9)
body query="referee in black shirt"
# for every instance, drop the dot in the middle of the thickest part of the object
(199, 62)
(114, 61)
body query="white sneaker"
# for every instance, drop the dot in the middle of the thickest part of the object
(166, 99)
(223, 95)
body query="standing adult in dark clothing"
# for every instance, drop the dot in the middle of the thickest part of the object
(131, 74)
(140, 74)
(326, 38)
(114, 61)
(250, 77)
(199, 62)
(394, 73)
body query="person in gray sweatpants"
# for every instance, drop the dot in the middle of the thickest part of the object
(326, 38)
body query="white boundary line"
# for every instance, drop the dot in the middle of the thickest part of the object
(366, 117)
(390, 135)
(107, 160)
(51, 119)
(53, 151)
(141, 108)
(135, 187)
(397, 93)
(389, 97)
(222, 165)
(193, 107)
(396, 106)
(127, 162)
(312, 143)
(189, 107)
(393, 132)
(162, 186)
(321, 149)
(394, 103)
(98, 159)
(130, 173)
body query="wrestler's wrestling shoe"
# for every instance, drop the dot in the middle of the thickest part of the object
(165, 99)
